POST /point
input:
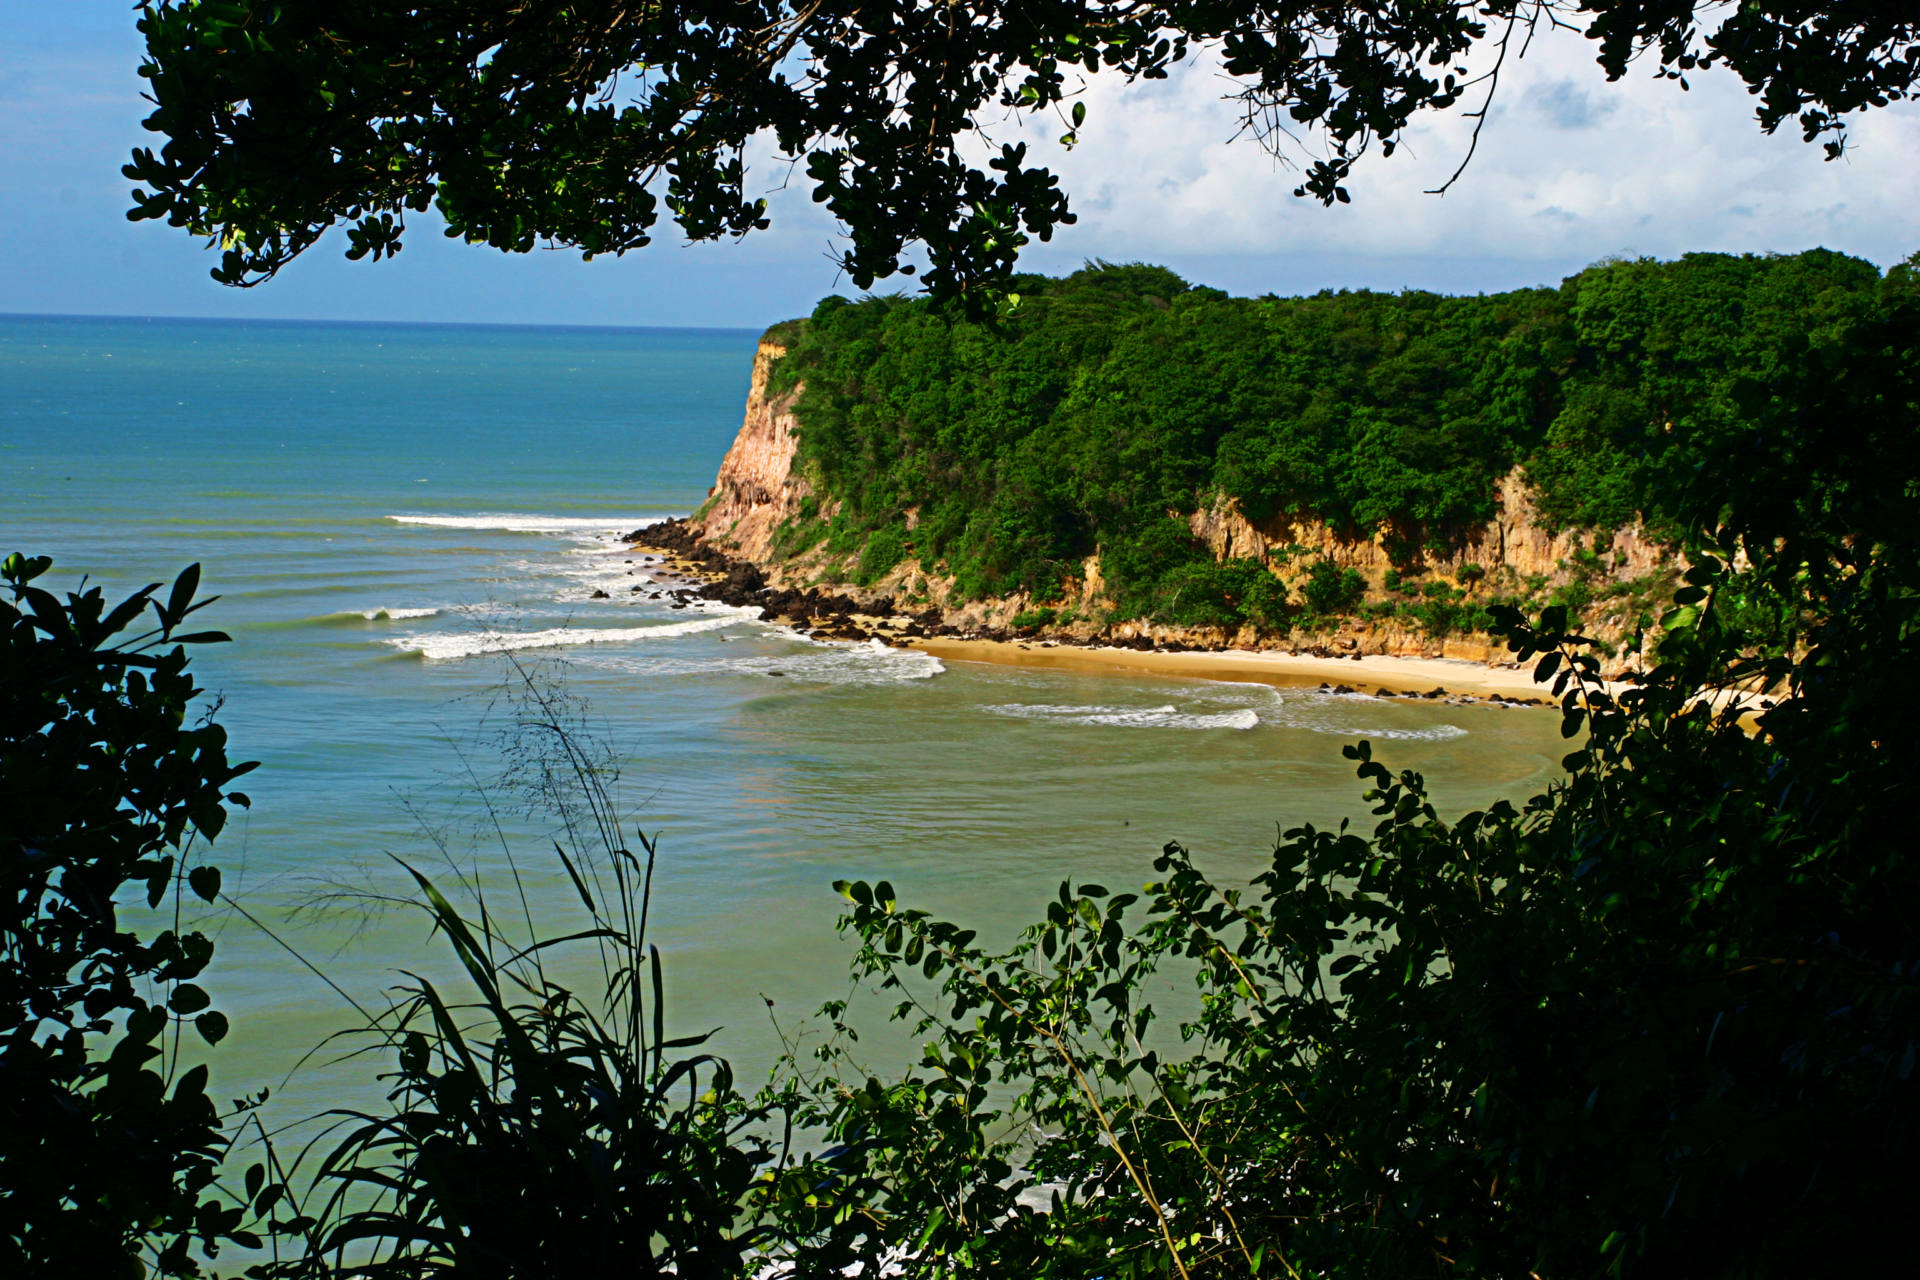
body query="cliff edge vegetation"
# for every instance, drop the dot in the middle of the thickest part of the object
(1124, 452)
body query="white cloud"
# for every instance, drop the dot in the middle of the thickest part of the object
(1569, 167)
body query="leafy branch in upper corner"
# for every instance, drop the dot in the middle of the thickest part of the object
(582, 124)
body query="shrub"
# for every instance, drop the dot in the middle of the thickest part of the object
(884, 549)
(109, 1144)
(535, 1130)
(1330, 590)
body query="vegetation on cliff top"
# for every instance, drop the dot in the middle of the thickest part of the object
(1116, 401)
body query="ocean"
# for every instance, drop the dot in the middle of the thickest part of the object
(404, 522)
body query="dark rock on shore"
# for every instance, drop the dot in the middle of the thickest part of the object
(829, 615)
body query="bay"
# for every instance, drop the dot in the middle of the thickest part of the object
(404, 521)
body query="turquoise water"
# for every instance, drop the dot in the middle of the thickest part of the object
(396, 515)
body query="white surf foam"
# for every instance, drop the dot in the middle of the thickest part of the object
(1434, 733)
(1162, 717)
(508, 522)
(1331, 713)
(467, 644)
(872, 663)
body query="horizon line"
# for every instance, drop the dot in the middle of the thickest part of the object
(410, 324)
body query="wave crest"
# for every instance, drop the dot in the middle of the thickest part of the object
(1120, 717)
(509, 522)
(467, 644)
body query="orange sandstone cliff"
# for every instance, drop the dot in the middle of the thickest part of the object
(759, 488)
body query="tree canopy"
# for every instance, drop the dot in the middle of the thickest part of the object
(1118, 400)
(109, 1139)
(579, 122)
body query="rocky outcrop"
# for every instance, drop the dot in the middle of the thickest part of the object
(1516, 543)
(733, 540)
(757, 490)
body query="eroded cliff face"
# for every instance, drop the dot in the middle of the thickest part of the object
(1515, 543)
(759, 488)
(756, 490)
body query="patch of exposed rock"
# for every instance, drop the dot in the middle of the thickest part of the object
(729, 547)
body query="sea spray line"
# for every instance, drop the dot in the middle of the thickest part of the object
(1438, 733)
(1308, 713)
(510, 522)
(1163, 717)
(385, 614)
(839, 664)
(467, 644)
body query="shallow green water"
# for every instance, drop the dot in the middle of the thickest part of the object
(392, 510)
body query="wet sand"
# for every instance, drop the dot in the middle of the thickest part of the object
(1377, 674)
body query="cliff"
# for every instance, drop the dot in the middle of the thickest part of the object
(760, 489)
(756, 490)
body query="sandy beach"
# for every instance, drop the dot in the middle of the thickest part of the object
(826, 616)
(1377, 674)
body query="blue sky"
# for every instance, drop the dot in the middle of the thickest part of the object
(1571, 170)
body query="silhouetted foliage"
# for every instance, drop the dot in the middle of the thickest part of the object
(578, 124)
(109, 1142)
(534, 1129)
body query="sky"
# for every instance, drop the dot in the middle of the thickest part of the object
(1570, 170)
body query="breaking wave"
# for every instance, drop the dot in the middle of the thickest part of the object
(507, 522)
(354, 617)
(871, 663)
(1163, 717)
(468, 644)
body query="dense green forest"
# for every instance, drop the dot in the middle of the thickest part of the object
(1103, 407)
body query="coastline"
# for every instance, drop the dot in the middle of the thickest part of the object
(1379, 675)
(689, 568)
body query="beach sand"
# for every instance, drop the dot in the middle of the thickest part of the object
(1371, 674)
(1383, 674)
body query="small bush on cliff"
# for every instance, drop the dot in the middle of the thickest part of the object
(883, 549)
(1330, 590)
